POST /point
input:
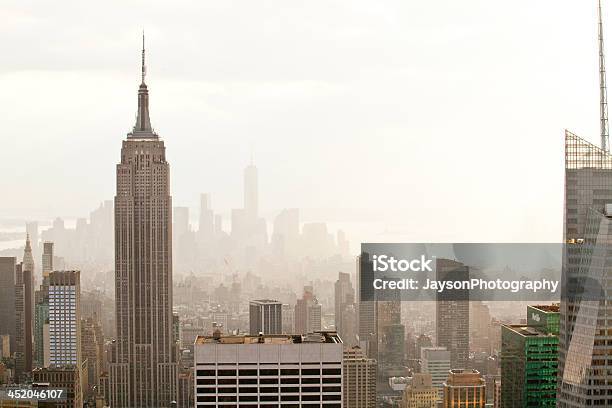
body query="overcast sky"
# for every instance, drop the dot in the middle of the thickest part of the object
(445, 118)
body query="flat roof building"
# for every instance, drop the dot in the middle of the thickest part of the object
(268, 370)
(265, 316)
(529, 359)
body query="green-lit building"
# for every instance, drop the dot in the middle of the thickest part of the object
(529, 359)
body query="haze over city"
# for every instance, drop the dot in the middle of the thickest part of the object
(433, 109)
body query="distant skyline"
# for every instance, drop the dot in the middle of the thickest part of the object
(442, 120)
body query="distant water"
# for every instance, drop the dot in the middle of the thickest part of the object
(11, 244)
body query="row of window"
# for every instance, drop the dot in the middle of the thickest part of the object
(268, 390)
(268, 372)
(285, 405)
(268, 398)
(270, 381)
(266, 381)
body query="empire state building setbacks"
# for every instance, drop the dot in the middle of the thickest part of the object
(143, 368)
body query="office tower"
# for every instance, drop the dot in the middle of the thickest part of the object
(23, 315)
(41, 323)
(436, 361)
(8, 325)
(64, 319)
(101, 232)
(480, 323)
(47, 258)
(265, 316)
(180, 222)
(251, 195)
(65, 378)
(367, 316)
(288, 315)
(420, 393)
(286, 232)
(183, 240)
(359, 379)
(390, 342)
(143, 369)
(348, 322)
(344, 308)
(185, 389)
(316, 241)
(206, 227)
(464, 389)
(453, 313)
(583, 338)
(269, 370)
(92, 353)
(307, 318)
(529, 359)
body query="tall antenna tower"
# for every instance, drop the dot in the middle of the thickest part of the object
(603, 89)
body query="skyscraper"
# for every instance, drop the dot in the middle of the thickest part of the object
(47, 258)
(7, 298)
(33, 235)
(265, 316)
(359, 379)
(584, 320)
(28, 257)
(41, 320)
(24, 316)
(436, 361)
(529, 359)
(92, 353)
(344, 309)
(206, 228)
(143, 368)
(65, 319)
(453, 313)
(307, 313)
(66, 378)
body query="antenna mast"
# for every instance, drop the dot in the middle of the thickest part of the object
(603, 90)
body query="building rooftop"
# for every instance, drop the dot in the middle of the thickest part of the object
(318, 337)
(265, 301)
(461, 377)
(527, 331)
(554, 308)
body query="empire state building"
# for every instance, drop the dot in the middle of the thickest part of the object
(143, 369)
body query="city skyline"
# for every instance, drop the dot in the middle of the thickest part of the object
(217, 87)
(232, 266)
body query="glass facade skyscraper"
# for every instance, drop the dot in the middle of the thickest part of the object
(585, 348)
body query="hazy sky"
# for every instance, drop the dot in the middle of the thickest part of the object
(444, 116)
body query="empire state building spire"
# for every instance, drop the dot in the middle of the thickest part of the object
(143, 128)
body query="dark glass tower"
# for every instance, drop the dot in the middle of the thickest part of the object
(143, 369)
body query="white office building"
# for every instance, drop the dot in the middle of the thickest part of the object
(269, 370)
(64, 329)
(436, 361)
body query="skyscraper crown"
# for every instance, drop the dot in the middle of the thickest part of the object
(142, 128)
